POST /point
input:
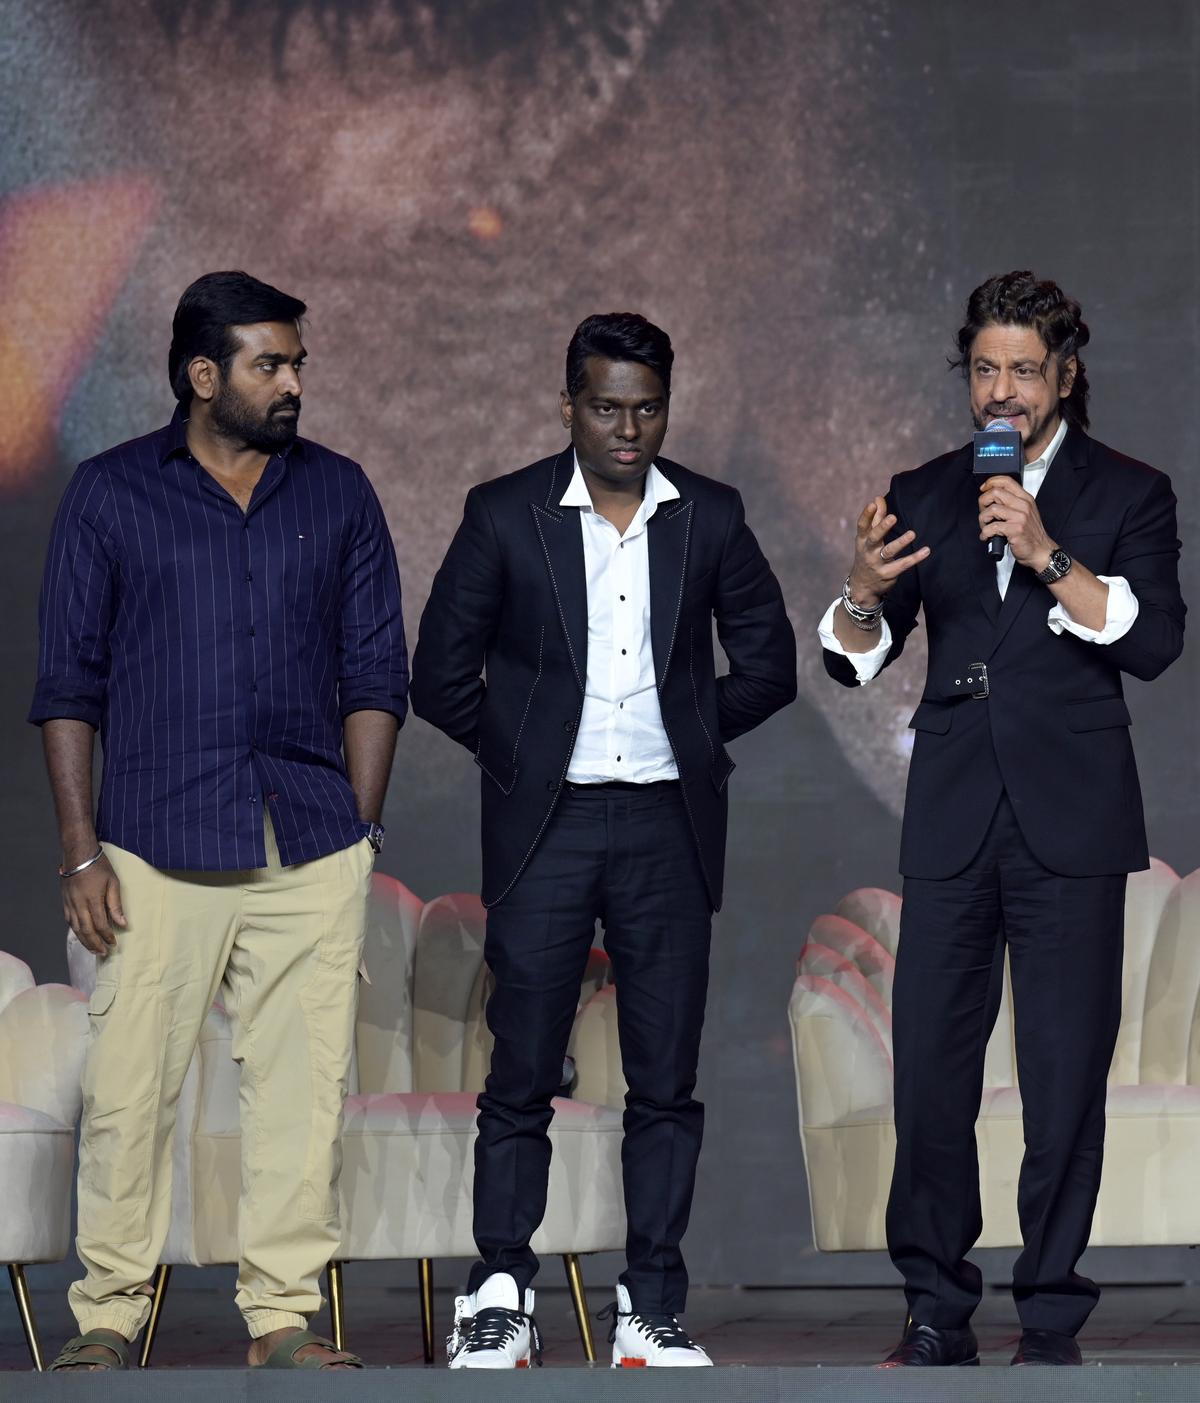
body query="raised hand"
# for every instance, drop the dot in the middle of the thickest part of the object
(879, 563)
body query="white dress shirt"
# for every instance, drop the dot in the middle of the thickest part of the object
(1121, 611)
(621, 733)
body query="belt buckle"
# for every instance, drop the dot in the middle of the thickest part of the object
(978, 672)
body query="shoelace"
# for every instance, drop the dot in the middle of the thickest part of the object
(663, 1330)
(495, 1327)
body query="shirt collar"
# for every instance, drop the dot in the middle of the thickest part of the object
(659, 489)
(174, 436)
(175, 439)
(1043, 463)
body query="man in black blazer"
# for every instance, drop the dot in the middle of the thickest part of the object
(567, 643)
(1023, 813)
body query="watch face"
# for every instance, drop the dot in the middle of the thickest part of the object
(1061, 561)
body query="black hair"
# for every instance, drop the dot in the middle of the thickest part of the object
(618, 336)
(1019, 299)
(207, 314)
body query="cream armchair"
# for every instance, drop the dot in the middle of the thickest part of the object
(840, 1014)
(43, 1034)
(421, 1055)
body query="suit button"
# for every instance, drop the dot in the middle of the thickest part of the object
(552, 785)
(568, 725)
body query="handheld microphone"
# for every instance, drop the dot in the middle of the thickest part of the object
(998, 452)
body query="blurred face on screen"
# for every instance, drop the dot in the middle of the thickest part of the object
(1013, 376)
(475, 177)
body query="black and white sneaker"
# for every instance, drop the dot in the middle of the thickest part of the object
(494, 1328)
(642, 1341)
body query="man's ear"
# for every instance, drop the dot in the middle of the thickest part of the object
(204, 377)
(566, 409)
(1066, 376)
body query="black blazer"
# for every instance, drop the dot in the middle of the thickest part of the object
(1054, 731)
(511, 600)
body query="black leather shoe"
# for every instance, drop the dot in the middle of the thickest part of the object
(1046, 1347)
(926, 1346)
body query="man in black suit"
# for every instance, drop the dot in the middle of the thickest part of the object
(585, 587)
(1023, 813)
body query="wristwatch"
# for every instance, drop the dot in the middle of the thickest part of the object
(1060, 563)
(375, 836)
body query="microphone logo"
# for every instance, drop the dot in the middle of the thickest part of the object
(998, 451)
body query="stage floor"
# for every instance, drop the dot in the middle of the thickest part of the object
(1142, 1342)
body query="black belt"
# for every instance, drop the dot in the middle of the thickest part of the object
(619, 786)
(970, 681)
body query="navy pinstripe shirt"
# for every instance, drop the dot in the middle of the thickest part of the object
(217, 651)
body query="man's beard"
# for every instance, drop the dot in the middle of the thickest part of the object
(234, 418)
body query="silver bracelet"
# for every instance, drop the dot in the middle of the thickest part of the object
(870, 625)
(859, 614)
(83, 866)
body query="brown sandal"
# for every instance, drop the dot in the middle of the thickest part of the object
(74, 1355)
(283, 1356)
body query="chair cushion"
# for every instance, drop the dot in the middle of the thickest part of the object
(37, 1159)
(407, 1176)
(15, 977)
(24, 1120)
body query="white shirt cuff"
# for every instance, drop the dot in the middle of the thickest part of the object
(866, 665)
(1118, 617)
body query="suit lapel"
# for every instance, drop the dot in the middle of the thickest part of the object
(1055, 500)
(668, 536)
(561, 535)
(980, 569)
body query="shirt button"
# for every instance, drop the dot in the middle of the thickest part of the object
(622, 706)
(249, 575)
(622, 599)
(618, 759)
(623, 652)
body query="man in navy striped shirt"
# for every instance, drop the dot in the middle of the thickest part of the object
(222, 602)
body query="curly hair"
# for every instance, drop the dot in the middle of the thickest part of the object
(1019, 299)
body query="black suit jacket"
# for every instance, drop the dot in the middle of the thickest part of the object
(1054, 731)
(510, 601)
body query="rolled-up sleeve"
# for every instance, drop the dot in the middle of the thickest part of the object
(373, 672)
(76, 608)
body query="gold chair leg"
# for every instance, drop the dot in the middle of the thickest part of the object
(579, 1301)
(162, 1279)
(425, 1282)
(16, 1274)
(333, 1280)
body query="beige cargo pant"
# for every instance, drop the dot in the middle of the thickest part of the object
(285, 944)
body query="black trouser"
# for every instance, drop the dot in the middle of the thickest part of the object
(624, 856)
(1065, 940)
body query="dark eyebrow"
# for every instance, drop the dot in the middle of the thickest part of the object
(276, 358)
